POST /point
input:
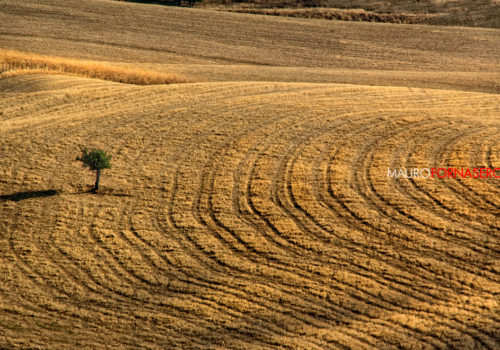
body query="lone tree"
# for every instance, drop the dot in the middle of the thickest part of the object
(96, 160)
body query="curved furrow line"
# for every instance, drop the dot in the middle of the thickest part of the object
(486, 203)
(232, 309)
(213, 217)
(395, 205)
(448, 186)
(176, 172)
(420, 184)
(286, 168)
(422, 194)
(248, 161)
(28, 272)
(421, 141)
(271, 232)
(231, 234)
(330, 154)
(400, 290)
(351, 225)
(210, 190)
(388, 205)
(293, 203)
(429, 201)
(361, 217)
(289, 203)
(227, 150)
(478, 193)
(114, 312)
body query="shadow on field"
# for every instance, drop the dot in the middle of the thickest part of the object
(104, 192)
(19, 196)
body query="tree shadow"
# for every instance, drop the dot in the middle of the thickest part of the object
(103, 191)
(19, 196)
(112, 192)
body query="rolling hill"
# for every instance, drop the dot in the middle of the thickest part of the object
(251, 207)
(219, 46)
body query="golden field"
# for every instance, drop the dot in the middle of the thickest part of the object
(218, 46)
(248, 207)
(15, 63)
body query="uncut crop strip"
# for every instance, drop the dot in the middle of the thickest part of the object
(16, 62)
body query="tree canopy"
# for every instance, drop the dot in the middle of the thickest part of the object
(95, 159)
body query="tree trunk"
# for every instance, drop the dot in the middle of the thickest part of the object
(98, 177)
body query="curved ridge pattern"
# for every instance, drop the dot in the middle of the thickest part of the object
(243, 215)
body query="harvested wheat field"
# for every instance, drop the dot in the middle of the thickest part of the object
(245, 214)
(206, 45)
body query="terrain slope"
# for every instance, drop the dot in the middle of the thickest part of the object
(242, 215)
(220, 46)
(249, 207)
